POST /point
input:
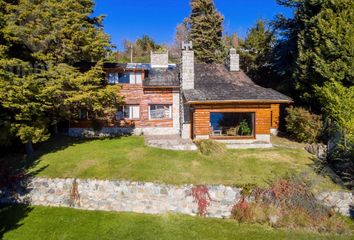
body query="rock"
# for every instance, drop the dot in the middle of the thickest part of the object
(317, 149)
(273, 219)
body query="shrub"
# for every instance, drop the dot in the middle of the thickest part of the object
(303, 125)
(242, 211)
(210, 147)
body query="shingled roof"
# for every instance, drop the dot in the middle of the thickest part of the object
(214, 82)
(162, 77)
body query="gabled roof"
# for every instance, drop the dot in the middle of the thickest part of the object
(215, 83)
(162, 77)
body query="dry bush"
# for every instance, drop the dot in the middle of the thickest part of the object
(211, 148)
(288, 203)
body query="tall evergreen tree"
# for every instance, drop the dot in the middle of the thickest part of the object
(231, 41)
(256, 54)
(39, 84)
(315, 46)
(206, 31)
(320, 38)
(326, 43)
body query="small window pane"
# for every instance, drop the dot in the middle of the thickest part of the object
(138, 79)
(124, 77)
(113, 78)
(128, 112)
(83, 114)
(132, 78)
(160, 112)
(135, 112)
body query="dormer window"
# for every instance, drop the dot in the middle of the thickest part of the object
(125, 78)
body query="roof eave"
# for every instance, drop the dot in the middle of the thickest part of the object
(159, 86)
(238, 101)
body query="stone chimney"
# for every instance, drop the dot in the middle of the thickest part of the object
(233, 61)
(159, 59)
(187, 71)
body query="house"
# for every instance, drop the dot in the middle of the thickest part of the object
(193, 100)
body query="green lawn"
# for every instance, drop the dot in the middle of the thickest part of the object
(128, 158)
(20, 223)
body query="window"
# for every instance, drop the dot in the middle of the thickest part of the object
(83, 114)
(128, 112)
(159, 111)
(113, 78)
(126, 77)
(136, 78)
(232, 124)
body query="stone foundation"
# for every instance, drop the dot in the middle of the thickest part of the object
(139, 197)
(113, 132)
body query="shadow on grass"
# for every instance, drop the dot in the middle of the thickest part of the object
(325, 169)
(11, 217)
(15, 173)
(17, 167)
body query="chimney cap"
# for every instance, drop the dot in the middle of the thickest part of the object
(187, 45)
(233, 51)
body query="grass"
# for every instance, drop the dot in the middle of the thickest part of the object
(20, 222)
(128, 158)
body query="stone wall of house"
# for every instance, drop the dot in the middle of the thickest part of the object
(150, 198)
(117, 131)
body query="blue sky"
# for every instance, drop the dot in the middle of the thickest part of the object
(129, 19)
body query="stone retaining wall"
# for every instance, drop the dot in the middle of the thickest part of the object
(151, 198)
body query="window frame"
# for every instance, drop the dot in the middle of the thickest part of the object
(253, 136)
(165, 118)
(134, 77)
(131, 112)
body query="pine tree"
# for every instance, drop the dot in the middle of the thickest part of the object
(256, 53)
(231, 41)
(39, 83)
(206, 32)
(338, 104)
(325, 46)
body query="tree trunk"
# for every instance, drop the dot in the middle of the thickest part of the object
(345, 139)
(29, 148)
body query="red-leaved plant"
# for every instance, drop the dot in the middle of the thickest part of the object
(202, 197)
(288, 203)
(241, 211)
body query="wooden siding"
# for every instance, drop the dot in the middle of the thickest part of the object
(275, 115)
(201, 116)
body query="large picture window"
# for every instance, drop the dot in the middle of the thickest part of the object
(128, 112)
(232, 124)
(160, 111)
(126, 77)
